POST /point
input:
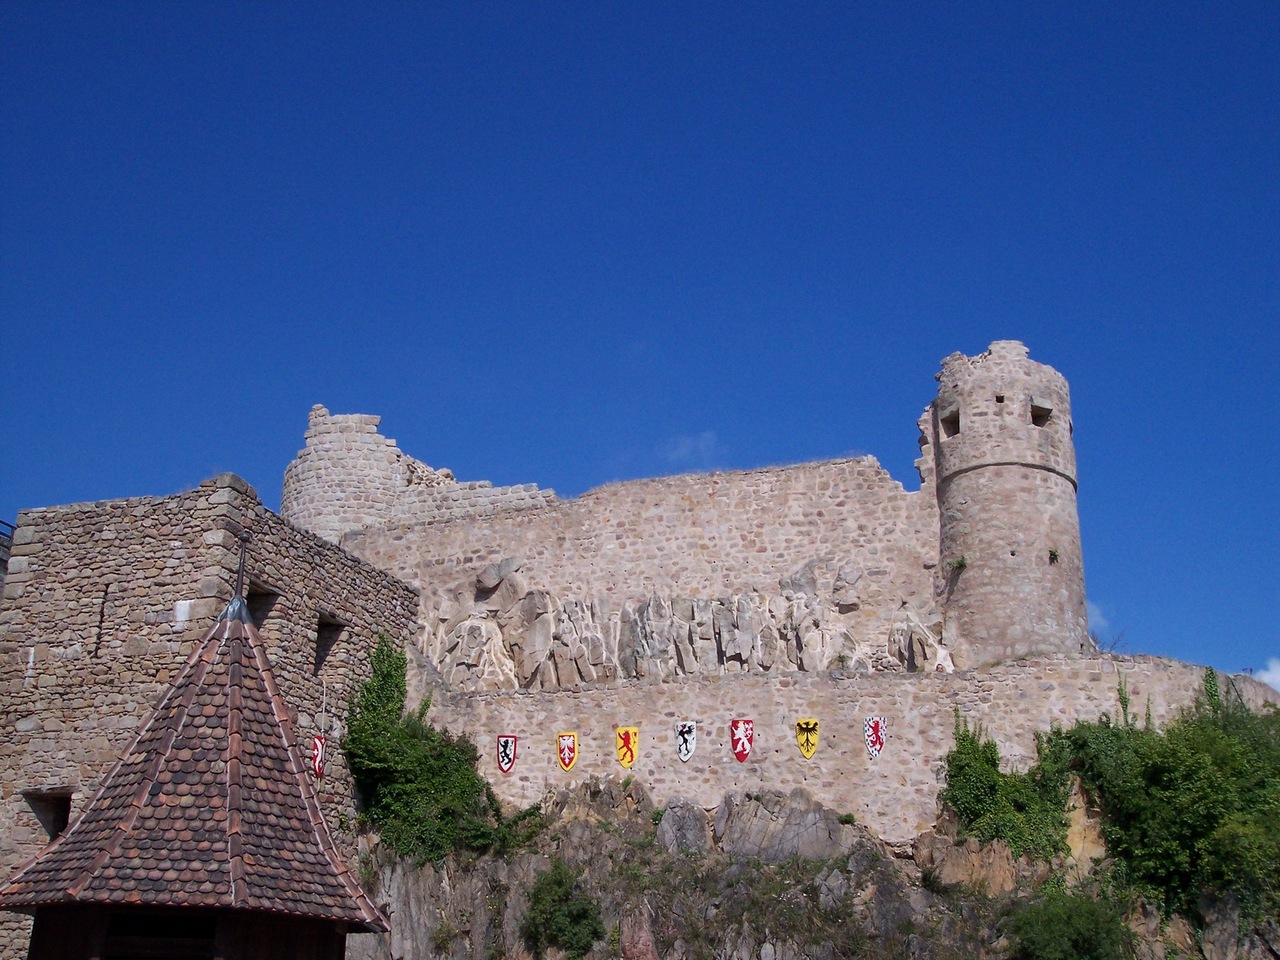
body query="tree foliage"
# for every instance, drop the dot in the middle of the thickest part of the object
(1191, 809)
(560, 914)
(420, 785)
(1064, 926)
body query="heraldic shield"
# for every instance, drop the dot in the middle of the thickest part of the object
(506, 752)
(807, 736)
(742, 734)
(317, 755)
(567, 750)
(873, 732)
(627, 745)
(686, 739)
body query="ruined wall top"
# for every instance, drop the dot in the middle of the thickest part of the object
(349, 476)
(1001, 407)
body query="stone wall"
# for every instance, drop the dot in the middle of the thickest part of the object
(105, 602)
(895, 794)
(843, 531)
(350, 476)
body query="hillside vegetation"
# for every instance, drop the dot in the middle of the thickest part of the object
(1190, 815)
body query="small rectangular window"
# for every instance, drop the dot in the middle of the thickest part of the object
(329, 631)
(950, 423)
(261, 602)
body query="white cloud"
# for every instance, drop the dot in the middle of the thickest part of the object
(1097, 620)
(697, 450)
(1271, 675)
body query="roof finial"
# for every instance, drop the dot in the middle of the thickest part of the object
(243, 537)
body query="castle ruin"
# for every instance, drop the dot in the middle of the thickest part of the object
(822, 590)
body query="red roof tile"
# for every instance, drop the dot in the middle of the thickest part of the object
(210, 806)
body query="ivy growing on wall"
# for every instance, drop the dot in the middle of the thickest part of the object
(419, 785)
(1191, 809)
(1026, 810)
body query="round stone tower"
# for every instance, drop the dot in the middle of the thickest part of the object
(348, 476)
(1010, 575)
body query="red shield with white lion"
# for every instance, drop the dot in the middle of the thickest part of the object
(742, 735)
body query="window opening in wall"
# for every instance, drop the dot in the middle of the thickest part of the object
(1040, 415)
(261, 602)
(52, 807)
(999, 398)
(950, 423)
(328, 632)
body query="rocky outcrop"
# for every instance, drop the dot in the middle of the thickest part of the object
(496, 632)
(773, 828)
(765, 875)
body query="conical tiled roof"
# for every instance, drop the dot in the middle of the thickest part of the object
(209, 807)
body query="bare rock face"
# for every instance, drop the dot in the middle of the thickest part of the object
(685, 827)
(1219, 939)
(635, 934)
(774, 827)
(990, 868)
(778, 877)
(1084, 832)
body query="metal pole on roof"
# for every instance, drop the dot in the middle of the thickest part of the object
(243, 536)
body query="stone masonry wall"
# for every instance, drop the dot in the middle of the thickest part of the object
(350, 476)
(704, 536)
(895, 794)
(104, 603)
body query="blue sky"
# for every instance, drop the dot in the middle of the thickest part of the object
(570, 244)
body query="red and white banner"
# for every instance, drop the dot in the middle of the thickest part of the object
(317, 755)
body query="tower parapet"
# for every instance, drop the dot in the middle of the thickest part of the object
(1010, 576)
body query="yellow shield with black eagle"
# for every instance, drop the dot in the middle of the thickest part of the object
(807, 736)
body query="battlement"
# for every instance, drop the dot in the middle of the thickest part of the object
(1002, 408)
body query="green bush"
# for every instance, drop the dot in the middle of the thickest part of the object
(1193, 808)
(420, 786)
(1065, 926)
(1026, 810)
(560, 915)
